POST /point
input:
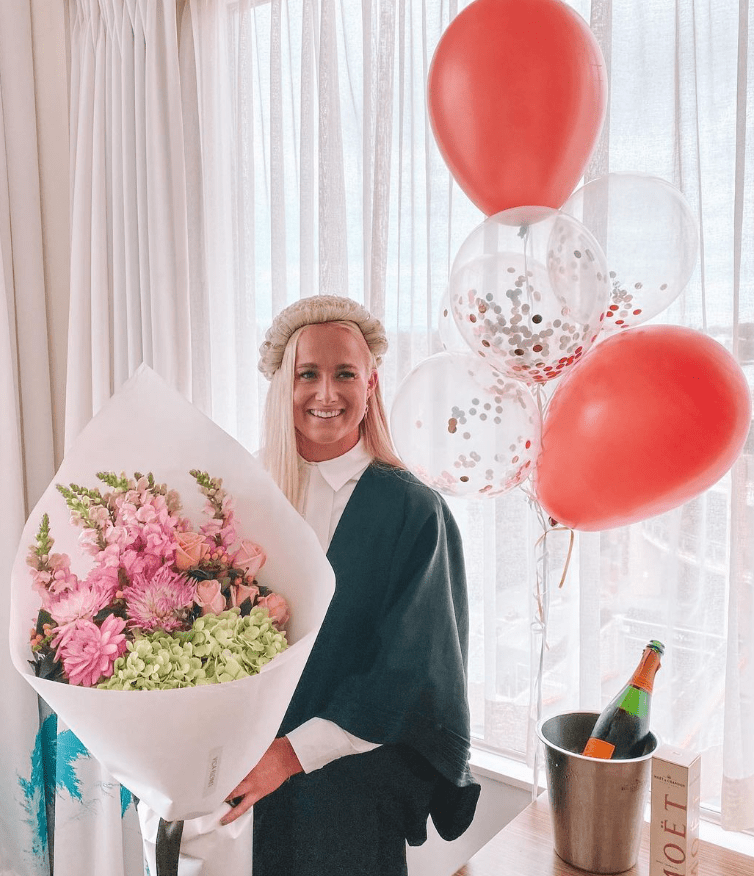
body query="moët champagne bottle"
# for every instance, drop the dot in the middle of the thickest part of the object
(622, 727)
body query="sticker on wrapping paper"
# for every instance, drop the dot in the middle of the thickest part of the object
(213, 771)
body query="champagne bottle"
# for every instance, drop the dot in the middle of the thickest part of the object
(623, 725)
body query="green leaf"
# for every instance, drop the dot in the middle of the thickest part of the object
(46, 665)
(44, 617)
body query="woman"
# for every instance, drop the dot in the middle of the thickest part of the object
(376, 737)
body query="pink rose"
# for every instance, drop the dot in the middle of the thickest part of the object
(277, 608)
(209, 597)
(249, 557)
(241, 592)
(191, 550)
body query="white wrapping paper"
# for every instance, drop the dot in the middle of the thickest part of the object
(179, 751)
(207, 847)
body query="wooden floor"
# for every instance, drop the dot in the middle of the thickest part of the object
(524, 848)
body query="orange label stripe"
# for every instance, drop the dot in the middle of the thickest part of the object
(644, 675)
(599, 748)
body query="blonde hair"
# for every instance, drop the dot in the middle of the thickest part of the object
(279, 453)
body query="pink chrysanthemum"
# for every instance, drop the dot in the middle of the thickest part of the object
(88, 651)
(73, 605)
(158, 601)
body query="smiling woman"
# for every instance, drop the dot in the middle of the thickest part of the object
(285, 441)
(333, 382)
(376, 738)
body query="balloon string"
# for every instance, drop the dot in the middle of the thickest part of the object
(542, 599)
(539, 625)
(571, 540)
(539, 630)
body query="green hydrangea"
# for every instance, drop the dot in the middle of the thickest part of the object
(218, 648)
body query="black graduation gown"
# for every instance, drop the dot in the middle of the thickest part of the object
(389, 666)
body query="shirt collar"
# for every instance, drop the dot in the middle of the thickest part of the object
(337, 472)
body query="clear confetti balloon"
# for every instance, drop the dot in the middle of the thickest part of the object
(463, 428)
(650, 239)
(529, 290)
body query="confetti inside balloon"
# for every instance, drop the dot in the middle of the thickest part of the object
(463, 428)
(529, 290)
(650, 239)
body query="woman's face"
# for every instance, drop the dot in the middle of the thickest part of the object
(331, 385)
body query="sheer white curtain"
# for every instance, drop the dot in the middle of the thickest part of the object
(320, 174)
(680, 107)
(130, 264)
(131, 280)
(26, 446)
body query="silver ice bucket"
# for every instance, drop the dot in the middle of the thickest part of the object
(597, 806)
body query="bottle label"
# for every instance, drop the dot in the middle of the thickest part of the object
(599, 748)
(644, 676)
(635, 701)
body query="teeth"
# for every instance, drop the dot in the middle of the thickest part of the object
(325, 415)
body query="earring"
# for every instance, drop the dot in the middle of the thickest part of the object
(366, 409)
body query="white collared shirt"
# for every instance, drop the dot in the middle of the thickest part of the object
(329, 486)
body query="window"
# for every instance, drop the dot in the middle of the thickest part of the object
(321, 173)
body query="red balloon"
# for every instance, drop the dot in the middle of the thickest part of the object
(517, 92)
(649, 419)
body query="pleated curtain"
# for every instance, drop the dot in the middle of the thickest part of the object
(130, 304)
(26, 436)
(129, 238)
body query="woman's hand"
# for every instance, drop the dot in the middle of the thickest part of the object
(278, 763)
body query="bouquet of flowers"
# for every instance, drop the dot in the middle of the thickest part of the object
(164, 605)
(141, 594)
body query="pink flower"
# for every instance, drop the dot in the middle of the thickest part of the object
(209, 597)
(159, 600)
(137, 562)
(249, 557)
(105, 579)
(89, 541)
(149, 525)
(110, 555)
(277, 608)
(73, 605)
(241, 592)
(40, 581)
(88, 651)
(222, 530)
(31, 557)
(62, 578)
(191, 550)
(117, 538)
(159, 541)
(152, 510)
